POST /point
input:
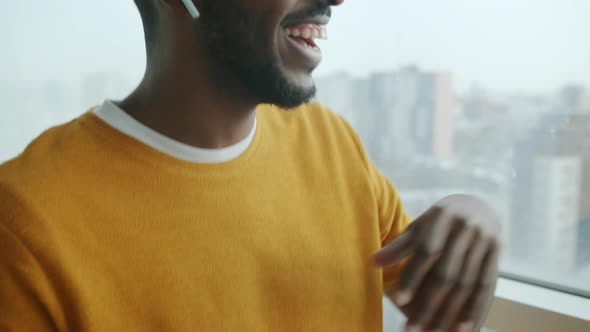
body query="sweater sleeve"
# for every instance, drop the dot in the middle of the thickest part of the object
(25, 293)
(393, 219)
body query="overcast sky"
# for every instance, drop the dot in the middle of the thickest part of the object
(505, 45)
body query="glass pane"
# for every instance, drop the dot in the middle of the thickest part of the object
(481, 97)
(60, 58)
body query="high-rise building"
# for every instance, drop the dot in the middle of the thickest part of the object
(560, 138)
(337, 91)
(433, 124)
(573, 138)
(399, 114)
(574, 99)
(555, 189)
(351, 98)
(416, 113)
(394, 97)
(545, 218)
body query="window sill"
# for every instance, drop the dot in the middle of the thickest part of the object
(545, 299)
(523, 307)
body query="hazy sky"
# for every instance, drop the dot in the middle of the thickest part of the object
(506, 45)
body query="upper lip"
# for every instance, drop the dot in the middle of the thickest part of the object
(319, 20)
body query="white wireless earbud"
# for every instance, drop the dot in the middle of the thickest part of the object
(192, 9)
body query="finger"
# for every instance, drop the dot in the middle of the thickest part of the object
(463, 289)
(474, 309)
(475, 261)
(396, 251)
(491, 264)
(427, 253)
(426, 303)
(443, 276)
(403, 245)
(476, 306)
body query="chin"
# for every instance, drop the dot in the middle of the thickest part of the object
(292, 94)
(282, 87)
(302, 81)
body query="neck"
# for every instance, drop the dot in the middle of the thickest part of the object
(188, 101)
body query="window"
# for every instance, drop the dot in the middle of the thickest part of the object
(58, 61)
(487, 97)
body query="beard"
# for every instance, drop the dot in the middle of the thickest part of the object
(238, 42)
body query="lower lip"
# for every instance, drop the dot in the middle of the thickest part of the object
(310, 57)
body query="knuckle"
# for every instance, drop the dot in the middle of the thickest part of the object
(427, 250)
(494, 244)
(488, 243)
(465, 285)
(443, 278)
(420, 319)
(478, 233)
(461, 221)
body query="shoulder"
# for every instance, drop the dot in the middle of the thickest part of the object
(34, 176)
(37, 160)
(311, 121)
(316, 135)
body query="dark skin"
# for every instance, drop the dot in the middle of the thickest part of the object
(450, 275)
(206, 104)
(203, 81)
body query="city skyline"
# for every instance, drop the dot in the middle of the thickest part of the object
(526, 156)
(68, 99)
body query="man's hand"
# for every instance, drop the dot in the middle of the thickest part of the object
(449, 279)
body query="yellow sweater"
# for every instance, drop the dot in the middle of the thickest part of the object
(99, 232)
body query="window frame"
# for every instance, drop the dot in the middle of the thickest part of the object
(518, 304)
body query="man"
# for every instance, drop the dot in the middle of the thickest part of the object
(216, 197)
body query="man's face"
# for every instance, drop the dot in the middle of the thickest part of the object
(268, 45)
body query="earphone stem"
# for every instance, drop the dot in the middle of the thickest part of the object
(192, 9)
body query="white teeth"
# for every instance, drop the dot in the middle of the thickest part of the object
(306, 33)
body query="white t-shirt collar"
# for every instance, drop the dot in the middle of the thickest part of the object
(114, 116)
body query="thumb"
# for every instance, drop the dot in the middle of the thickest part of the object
(398, 249)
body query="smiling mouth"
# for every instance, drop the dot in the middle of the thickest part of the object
(306, 34)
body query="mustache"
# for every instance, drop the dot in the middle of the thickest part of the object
(316, 10)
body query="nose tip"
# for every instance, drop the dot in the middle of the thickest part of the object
(336, 2)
